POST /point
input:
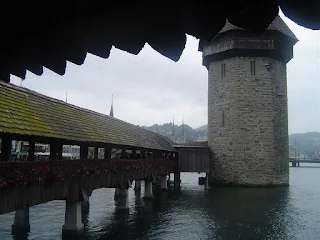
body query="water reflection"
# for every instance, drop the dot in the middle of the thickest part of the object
(246, 213)
(192, 213)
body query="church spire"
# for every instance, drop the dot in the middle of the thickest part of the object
(173, 132)
(111, 110)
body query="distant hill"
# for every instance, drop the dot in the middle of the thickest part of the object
(191, 135)
(308, 142)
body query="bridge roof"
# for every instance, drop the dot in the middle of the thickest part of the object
(202, 144)
(50, 35)
(26, 112)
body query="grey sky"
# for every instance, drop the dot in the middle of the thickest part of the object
(149, 88)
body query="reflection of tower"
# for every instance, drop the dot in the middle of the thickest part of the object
(247, 104)
(111, 110)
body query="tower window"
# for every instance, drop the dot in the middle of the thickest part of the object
(253, 68)
(223, 70)
(222, 118)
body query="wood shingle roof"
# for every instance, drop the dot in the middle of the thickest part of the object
(27, 112)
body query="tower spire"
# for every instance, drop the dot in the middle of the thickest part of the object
(111, 110)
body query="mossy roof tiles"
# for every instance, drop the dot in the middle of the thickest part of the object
(27, 112)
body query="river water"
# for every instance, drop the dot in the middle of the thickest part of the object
(193, 213)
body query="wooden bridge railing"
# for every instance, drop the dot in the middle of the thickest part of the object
(24, 184)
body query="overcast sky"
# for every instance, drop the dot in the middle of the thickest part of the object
(149, 88)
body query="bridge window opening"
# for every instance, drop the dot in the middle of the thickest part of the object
(253, 68)
(70, 152)
(100, 153)
(223, 70)
(90, 152)
(41, 151)
(19, 151)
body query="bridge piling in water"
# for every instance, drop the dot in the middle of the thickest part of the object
(21, 223)
(148, 193)
(164, 184)
(206, 184)
(73, 219)
(137, 185)
(122, 201)
(177, 180)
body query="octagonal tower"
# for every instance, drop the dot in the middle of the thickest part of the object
(247, 104)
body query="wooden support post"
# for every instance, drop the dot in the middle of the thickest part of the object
(123, 153)
(5, 148)
(55, 150)
(143, 154)
(134, 153)
(176, 179)
(83, 151)
(32, 145)
(96, 153)
(107, 152)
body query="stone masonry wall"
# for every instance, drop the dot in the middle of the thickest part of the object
(248, 122)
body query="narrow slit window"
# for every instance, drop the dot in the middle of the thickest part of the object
(222, 118)
(223, 70)
(253, 68)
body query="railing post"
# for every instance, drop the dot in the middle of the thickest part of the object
(5, 148)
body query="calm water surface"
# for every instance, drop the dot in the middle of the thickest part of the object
(194, 213)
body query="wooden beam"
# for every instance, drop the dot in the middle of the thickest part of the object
(5, 148)
(31, 150)
(143, 153)
(107, 152)
(96, 153)
(134, 153)
(83, 151)
(55, 150)
(123, 153)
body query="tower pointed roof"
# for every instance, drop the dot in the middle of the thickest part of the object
(111, 110)
(277, 25)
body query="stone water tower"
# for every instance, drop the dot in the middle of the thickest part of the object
(247, 104)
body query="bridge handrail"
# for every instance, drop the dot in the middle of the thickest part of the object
(24, 173)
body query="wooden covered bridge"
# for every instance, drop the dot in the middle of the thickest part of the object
(29, 116)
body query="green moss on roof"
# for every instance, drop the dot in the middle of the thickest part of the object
(26, 112)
